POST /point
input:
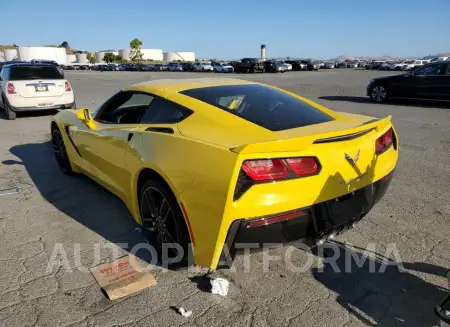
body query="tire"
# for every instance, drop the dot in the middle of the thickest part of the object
(379, 94)
(60, 152)
(10, 115)
(160, 230)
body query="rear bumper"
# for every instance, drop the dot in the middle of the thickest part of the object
(54, 107)
(305, 225)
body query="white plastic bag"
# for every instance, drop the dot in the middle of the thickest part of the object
(219, 286)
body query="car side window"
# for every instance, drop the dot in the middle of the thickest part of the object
(124, 108)
(429, 70)
(162, 111)
(447, 72)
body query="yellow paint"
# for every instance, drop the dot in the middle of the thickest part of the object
(202, 159)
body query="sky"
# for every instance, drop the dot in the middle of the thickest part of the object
(235, 29)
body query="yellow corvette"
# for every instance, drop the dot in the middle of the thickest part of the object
(213, 164)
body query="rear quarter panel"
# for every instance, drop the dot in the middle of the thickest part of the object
(199, 175)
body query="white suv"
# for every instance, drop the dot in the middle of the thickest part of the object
(203, 67)
(31, 87)
(220, 67)
(416, 63)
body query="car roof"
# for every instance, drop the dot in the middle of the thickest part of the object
(28, 64)
(178, 85)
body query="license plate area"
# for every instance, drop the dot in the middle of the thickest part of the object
(340, 211)
(346, 207)
(45, 104)
(41, 88)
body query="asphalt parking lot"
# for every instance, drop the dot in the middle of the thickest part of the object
(51, 208)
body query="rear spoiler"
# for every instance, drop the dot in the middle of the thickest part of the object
(305, 141)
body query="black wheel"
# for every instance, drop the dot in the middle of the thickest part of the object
(379, 94)
(59, 149)
(10, 115)
(164, 223)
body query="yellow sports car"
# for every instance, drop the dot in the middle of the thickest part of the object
(213, 164)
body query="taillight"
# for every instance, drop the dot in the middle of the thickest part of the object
(384, 142)
(67, 87)
(11, 88)
(263, 170)
(303, 166)
(266, 170)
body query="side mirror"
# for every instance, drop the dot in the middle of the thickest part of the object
(84, 115)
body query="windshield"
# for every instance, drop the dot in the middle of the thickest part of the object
(22, 73)
(409, 62)
(261, 105)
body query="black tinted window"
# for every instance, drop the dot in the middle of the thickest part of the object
(162, 111)
(261, 105)
(434, 69)
(20, 73)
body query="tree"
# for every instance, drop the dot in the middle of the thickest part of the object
(109, 57)
(118, 58)
(135, 53)
(65, 44)
(91, 58)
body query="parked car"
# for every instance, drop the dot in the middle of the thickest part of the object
(297, 65)
(310, 65)
(113, 67)
(329, 65)
(377, 64)
(160, 67)
(203, 67)
(430, 82)
(174, 67)
(415, 64)
(43, 61)
(148, 68)
(254, 141)
(399, 65)
(34, 87)
(386, 65)
(222, 67)
(341, 64)
(439, 59)
(352, 64)
(288, 66)
(187, 66)
(249, 65)
(274, 66)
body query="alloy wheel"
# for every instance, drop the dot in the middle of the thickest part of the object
(159, 218)
(59, 149)
(379, 93)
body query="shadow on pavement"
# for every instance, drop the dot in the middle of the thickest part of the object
(79, 198)
(29, 114)
(378, 291)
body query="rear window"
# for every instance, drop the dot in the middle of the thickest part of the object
(261, 105)
(21, 73)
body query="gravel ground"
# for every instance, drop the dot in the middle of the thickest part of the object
(52, 208)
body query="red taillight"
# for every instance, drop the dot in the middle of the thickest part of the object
(11, 88)
(67, 87)
(263, 170)
(303, 166)
(384, 142)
